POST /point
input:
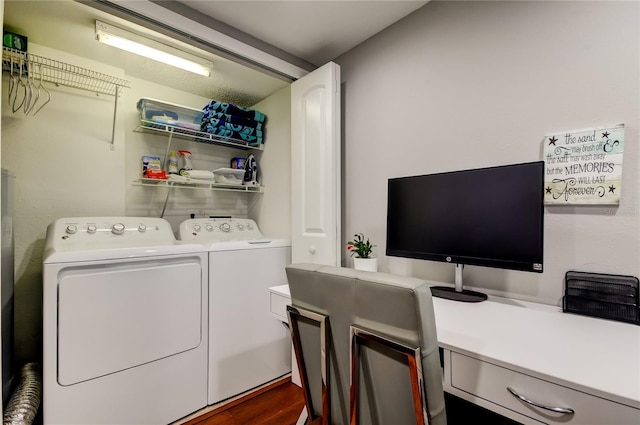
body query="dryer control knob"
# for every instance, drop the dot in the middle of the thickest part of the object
(117, 229)
(209, 227)
(225, 227)
(240, 226)
(142, 228)
(92, 228)
(196, 227)
(250, 226)
(71, 229)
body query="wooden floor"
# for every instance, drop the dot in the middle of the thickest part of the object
(282, 402)
(279, 404)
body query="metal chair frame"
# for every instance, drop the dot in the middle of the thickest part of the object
(412, 354)
(294, 314)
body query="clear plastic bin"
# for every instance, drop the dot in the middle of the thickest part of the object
(228, 176)
(158, 114)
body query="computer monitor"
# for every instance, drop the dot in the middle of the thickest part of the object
(491, 217)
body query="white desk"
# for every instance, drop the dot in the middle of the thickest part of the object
(556, 359)
(279, 298)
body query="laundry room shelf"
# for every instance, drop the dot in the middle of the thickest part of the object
(148, 126)
(27, 72)
(34, 68)
(198, 184)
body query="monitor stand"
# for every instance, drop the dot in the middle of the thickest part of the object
(457, 293)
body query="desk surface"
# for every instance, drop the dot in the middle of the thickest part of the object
(597, 356)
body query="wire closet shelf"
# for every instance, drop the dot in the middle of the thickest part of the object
(36, 68)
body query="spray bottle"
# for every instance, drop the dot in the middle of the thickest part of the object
(185, 155)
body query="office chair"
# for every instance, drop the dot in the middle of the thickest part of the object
(356, 336)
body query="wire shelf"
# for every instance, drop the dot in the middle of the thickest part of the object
(198, 184)
(36, 68)
(149, 126)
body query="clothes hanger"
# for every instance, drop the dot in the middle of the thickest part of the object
(35, 88)
(41, 86)
(12, 80)
(15, 108)
(29, 88)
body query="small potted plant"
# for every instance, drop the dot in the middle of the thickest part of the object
(362, 250)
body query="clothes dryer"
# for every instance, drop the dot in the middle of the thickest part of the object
(124, 322)
(247, 347)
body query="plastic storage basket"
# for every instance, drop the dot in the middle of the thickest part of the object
(228, 176)
(158, 114)
(606, 296)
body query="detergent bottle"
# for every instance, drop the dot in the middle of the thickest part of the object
(185, 155)
(172, 166)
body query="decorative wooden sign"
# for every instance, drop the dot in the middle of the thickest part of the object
(584, 167)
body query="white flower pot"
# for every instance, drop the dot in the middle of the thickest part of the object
(365, 264)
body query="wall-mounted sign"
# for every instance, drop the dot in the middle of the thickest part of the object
(584, 167)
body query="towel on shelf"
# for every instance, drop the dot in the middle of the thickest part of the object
(229, 121)
(177, 178)
(220, 124)
(163, 119)
(225, 133)
(231, 109)
(199, 174)
(188, 125)
(233, 119)
(151, 113)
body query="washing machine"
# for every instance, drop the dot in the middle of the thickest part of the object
(124, 322)
(247, 346)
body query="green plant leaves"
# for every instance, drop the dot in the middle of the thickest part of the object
(359, 246)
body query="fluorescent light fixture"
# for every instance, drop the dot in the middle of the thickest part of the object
(142, 46)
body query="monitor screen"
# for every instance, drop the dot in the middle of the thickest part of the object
(489, 217)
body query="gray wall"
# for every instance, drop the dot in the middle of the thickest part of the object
(461, 85)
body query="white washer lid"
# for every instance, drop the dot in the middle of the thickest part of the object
(177, 248)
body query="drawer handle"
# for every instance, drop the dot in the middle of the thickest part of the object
(566, 410)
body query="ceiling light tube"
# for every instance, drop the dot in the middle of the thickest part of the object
(125, 41)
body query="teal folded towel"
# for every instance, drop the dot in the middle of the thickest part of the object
(231, 109)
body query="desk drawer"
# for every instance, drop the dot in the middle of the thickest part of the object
(490, 382)
(278, 306)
